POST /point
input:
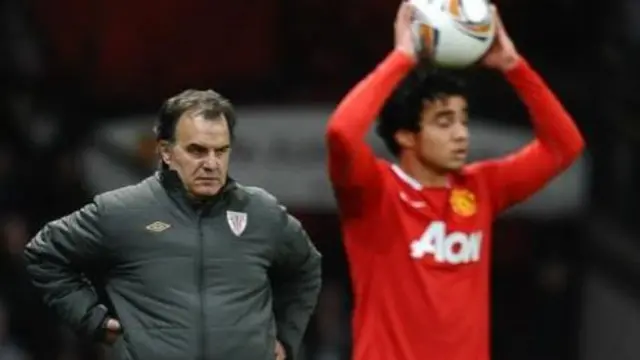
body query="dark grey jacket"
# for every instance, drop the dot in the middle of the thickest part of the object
(181, 282)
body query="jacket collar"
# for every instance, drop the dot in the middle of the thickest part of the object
(171, 182)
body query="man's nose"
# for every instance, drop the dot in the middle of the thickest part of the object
(461, 132)
(212, 161)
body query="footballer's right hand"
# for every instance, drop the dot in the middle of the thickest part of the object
(503, 54)
(402, 28)
(112, 330)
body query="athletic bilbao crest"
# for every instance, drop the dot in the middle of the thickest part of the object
(237, 221)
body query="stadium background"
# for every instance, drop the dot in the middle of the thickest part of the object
(80, 81)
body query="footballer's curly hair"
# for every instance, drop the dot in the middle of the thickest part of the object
(403, 109)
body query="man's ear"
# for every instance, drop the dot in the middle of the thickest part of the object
(405, 138)
(164, 149)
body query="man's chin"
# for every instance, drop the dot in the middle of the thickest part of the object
(206, 191)
(456, 165)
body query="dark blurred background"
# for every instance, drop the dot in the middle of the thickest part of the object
(80, 81)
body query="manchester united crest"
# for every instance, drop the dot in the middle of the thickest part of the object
(463, 202)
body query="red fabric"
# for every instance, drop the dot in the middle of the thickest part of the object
(145, 49)
(420, 257)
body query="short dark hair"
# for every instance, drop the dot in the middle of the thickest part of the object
(403, 109)
(206, 103)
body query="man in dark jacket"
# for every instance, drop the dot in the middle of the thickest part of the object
(187, 264)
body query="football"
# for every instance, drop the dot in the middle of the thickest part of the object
(453, 33)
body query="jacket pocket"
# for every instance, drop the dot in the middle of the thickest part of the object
(240, 344)
(160, 344)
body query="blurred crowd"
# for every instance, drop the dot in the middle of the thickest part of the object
(74, 63)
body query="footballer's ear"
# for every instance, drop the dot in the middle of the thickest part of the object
(405, 138)
(164, 150)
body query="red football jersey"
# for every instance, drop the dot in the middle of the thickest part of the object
(419, 257)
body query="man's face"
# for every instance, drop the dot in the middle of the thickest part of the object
(443, 140)
(200, 153)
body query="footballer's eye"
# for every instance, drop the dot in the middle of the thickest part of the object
(445, 120)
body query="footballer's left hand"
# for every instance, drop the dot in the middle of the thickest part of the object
(281, 354)
(502, 55)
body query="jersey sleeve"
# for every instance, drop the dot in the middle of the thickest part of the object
(353, 167)
(558, 143)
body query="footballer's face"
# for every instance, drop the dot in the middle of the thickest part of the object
(443, 140)
(199, 153)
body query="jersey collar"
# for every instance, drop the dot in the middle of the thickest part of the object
(406, 178)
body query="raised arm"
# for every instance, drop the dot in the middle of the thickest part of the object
(557, 144)
(352, 164)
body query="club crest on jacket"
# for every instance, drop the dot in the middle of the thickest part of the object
(237, 221)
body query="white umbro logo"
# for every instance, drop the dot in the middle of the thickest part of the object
(158, 226)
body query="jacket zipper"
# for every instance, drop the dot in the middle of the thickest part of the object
(200, 270)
